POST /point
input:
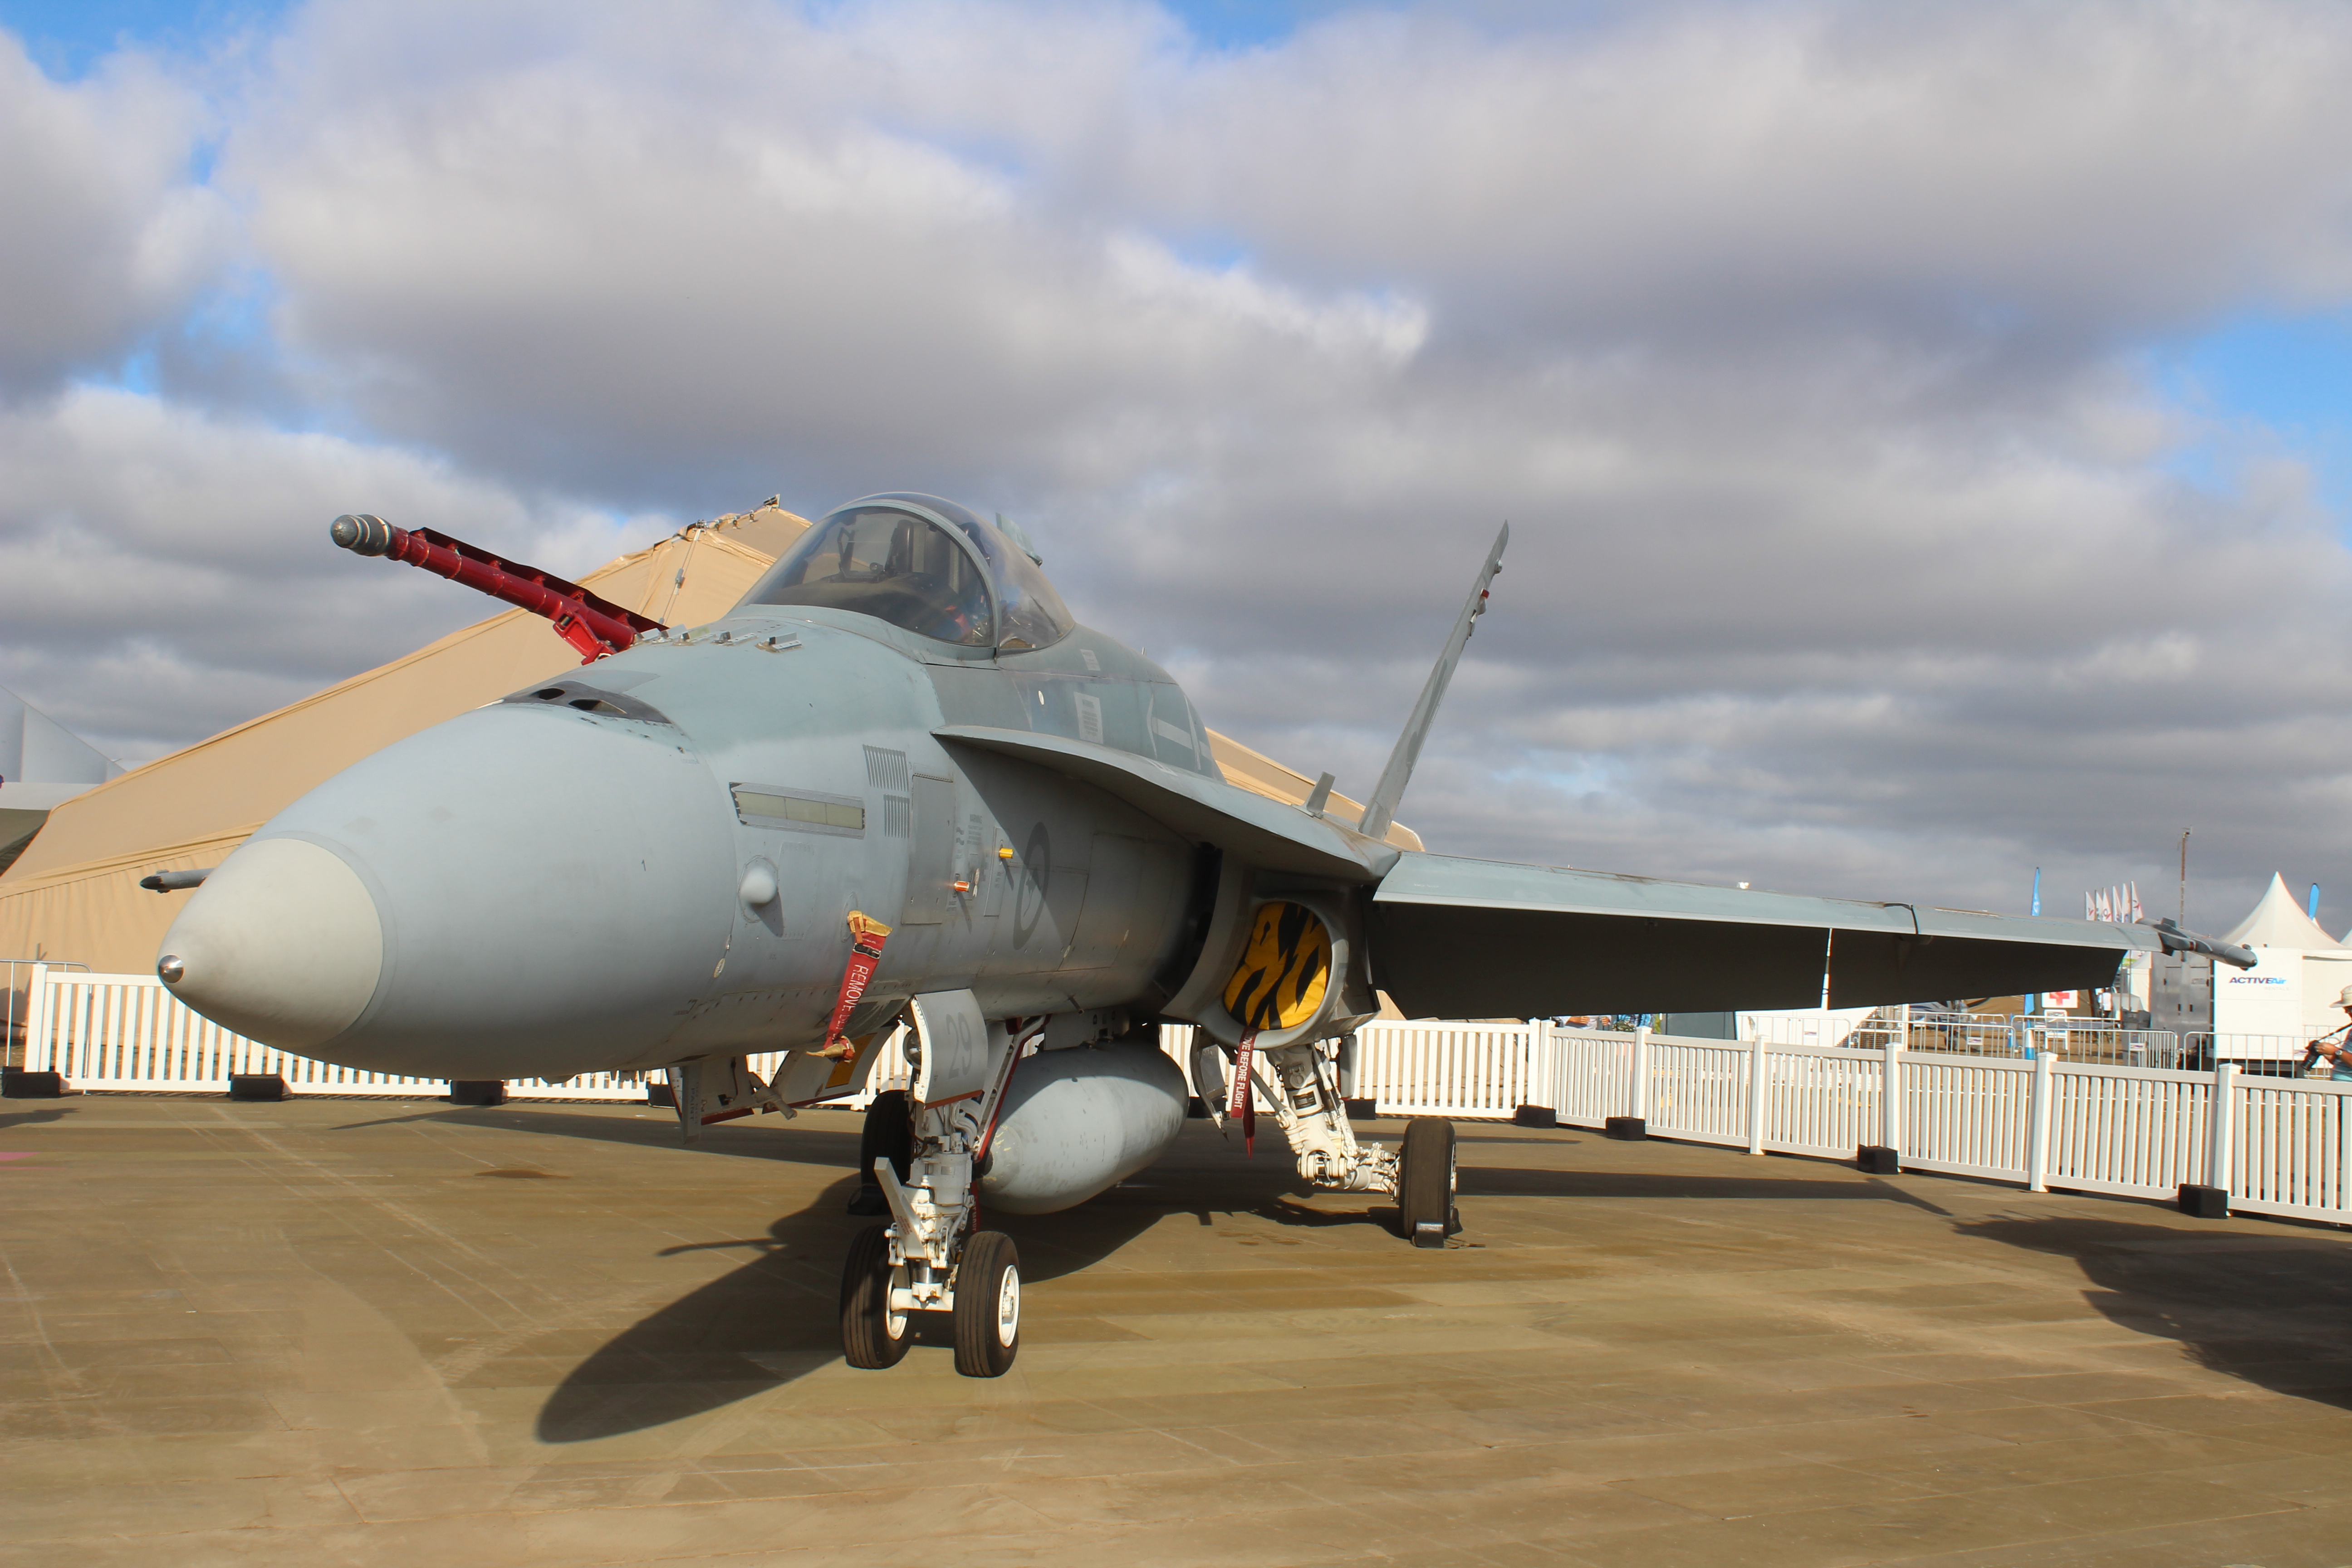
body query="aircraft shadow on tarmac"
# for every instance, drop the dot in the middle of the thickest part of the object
(744, 1141)
(774, 1319)
(2273, 1310)
(1506, 1181)
(32, 1118)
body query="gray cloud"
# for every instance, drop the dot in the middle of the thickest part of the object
(107, 234)
(165, 573)
(1808, 348)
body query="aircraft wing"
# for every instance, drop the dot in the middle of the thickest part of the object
(1488, 939)
(1264, 832)
(1458, 938)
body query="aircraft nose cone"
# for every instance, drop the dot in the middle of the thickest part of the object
(522, 891)
(282, 943)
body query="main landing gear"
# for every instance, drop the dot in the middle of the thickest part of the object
(1426, 1183)
(1300, 1083)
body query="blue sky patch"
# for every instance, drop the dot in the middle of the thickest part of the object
(67, 37)
(1241, 24)
(2268, 382)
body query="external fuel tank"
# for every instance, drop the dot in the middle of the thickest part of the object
(1078, 1121)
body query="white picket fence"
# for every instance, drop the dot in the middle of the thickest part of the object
(2281, 1146)
(117, 1032)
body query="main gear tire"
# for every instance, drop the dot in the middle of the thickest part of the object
(988, 1305)
(889, 1134)
(1425, 1182)
(872, 1335)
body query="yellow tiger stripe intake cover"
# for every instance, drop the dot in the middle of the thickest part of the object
(1280, 981)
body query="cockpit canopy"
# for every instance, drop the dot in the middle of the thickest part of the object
(925, 564)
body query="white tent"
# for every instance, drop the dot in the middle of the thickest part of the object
(2289, 996)
(43, 764)
(2277, 920)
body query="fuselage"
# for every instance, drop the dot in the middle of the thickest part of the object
(653, 858)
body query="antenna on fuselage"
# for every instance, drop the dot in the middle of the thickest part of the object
(1381, 810)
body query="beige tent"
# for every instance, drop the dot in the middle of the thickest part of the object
(74, 892)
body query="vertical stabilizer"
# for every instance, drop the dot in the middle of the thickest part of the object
(1381, 810)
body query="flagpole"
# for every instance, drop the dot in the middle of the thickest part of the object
(2034, 1002)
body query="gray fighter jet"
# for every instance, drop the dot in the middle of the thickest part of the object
(899, 782)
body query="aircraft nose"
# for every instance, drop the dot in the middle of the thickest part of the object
(517, 892)
(283, 944)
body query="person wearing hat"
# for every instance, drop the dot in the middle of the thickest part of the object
(2336, 1053)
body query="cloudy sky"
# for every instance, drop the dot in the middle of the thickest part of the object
(1921, 428)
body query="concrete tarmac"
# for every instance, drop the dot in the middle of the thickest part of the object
(378, 1332)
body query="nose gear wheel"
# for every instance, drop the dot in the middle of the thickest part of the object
(988, 1305)
(872, 1334)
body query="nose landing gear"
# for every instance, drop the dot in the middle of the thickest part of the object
(923, 1153)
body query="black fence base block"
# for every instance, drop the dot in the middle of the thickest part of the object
(2204, 1202)
(15, 1083)
(1631, 1129)
(1358, 1109)
(1535, 1116)
(1878, 1160)
(661, 1094)
(257, 1086)
(477, 1091)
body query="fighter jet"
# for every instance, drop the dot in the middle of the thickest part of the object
(899, 784)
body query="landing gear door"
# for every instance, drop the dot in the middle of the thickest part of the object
(952, 1037)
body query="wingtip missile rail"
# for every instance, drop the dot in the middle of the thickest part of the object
(594, 626)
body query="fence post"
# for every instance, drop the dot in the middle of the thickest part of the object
(1758, 1089)
(2037, 1147)
(1890, 1098)
(2343, 1195)
(1636, 1122)
(37, 1021)
(2222, 1130)
(1547, 1067)
(1640, 1110)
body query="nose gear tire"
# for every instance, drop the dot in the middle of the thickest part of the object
(987, 1305)
(871, 1335)
(1425, 1182)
